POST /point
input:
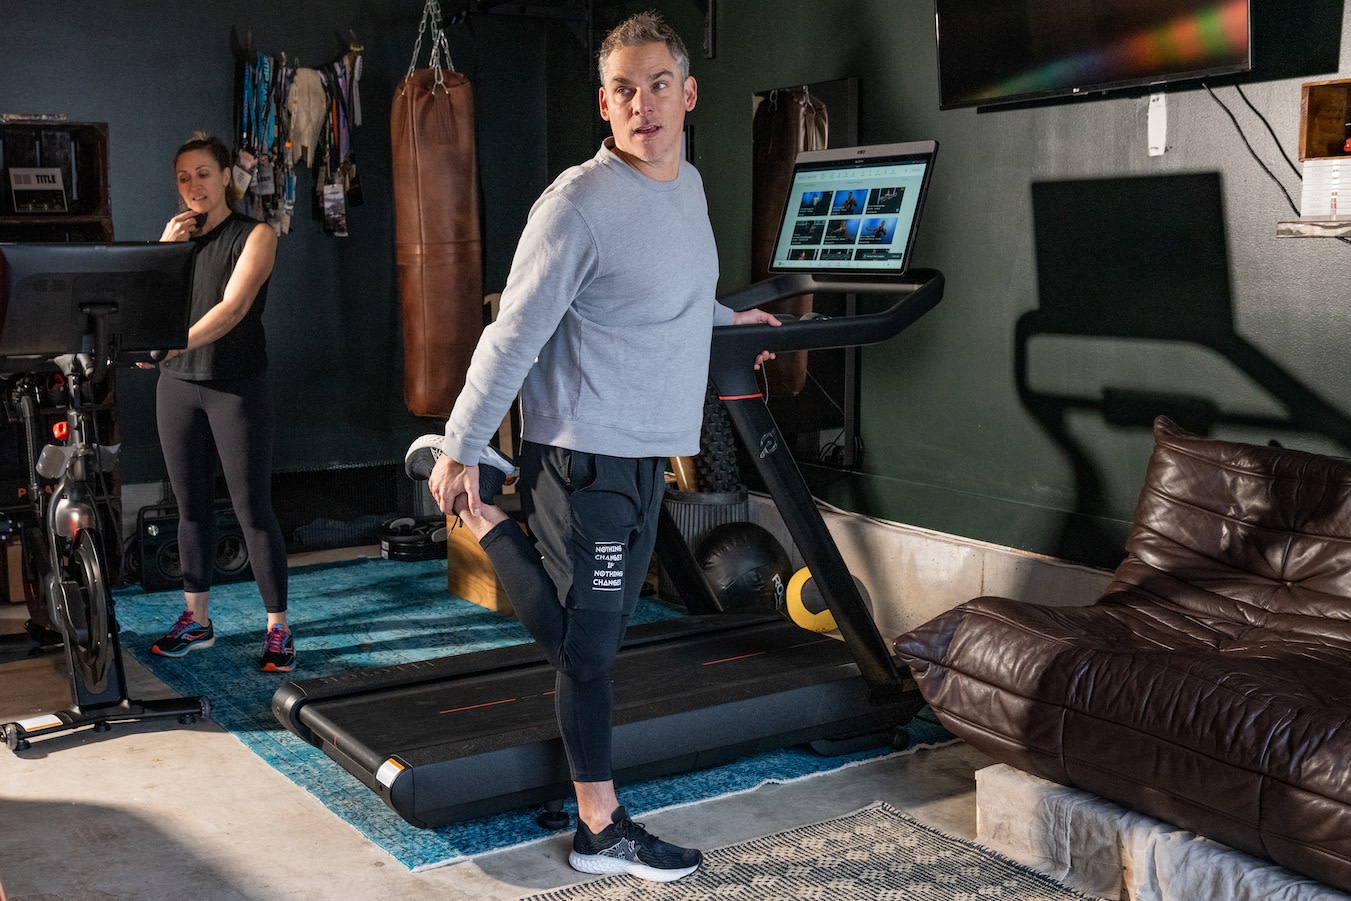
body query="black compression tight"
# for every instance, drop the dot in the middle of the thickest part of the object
(229, 421)
(580, 644)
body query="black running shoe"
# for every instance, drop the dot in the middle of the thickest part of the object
(279, 651)
(495, 470)
(626, 847)
(186, 635)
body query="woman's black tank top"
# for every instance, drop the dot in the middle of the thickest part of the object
(242, 351)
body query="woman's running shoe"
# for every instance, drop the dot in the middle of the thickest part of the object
(279, 651)
(186, 635)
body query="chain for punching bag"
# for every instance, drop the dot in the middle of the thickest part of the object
(438, 239)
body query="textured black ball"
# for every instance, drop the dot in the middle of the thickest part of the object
(745, 565)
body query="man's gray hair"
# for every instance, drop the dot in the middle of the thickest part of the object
(644, 28)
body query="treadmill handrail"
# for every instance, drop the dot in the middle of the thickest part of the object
(792, 284)
(731, 368)
(736, 346)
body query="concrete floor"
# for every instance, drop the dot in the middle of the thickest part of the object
(150, 811)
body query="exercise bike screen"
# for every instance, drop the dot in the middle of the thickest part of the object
(854, 211)
(144, 289)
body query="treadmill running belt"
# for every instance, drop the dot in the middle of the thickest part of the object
(688, 694)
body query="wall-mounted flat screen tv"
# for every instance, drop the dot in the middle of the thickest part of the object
(1007, 51)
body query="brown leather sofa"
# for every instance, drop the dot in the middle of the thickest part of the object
(1210, 685)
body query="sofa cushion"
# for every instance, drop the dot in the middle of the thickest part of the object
(1210, 686)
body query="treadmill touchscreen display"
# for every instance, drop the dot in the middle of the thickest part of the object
(854, 211)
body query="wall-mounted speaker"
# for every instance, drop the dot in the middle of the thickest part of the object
(161, 568)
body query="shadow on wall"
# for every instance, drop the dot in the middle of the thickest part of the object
(1135, 320)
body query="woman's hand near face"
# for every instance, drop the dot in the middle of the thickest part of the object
(180, 227)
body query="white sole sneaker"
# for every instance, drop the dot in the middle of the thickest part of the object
(601, 864)
(421, 458)
(495, 470)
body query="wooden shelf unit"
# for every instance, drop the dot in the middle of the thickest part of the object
(79, 150)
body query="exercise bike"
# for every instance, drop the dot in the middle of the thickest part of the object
(76, 580)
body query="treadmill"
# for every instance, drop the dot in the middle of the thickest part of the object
(471, 735)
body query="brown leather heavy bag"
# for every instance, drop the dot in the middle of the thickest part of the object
(786, 123)
(1210, 686)
(438, 244)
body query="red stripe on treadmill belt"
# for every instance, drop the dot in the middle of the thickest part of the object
(741, 396)
(730, 659)
(477, 706)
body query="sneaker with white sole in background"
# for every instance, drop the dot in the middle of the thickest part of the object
(626, 847)
(186, 635)
(495, 470)
(279, 651)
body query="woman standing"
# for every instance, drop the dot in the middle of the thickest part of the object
(213, 403)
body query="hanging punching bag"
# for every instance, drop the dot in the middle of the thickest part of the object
(438, 244)
(786, 123)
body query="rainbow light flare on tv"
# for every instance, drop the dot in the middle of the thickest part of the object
(1196, 38)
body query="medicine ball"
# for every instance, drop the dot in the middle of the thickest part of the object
(745, 566)
(807, 607)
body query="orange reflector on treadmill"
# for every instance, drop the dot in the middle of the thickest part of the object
(388, 772)
(38, 723)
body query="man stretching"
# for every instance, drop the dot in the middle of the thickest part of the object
(605, 328)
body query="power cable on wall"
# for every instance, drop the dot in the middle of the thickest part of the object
(1271, 131)
(1246, 143)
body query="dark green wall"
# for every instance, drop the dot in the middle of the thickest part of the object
(1137, 282)
(1117, 323)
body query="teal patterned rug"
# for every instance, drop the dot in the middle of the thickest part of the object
(374, 612)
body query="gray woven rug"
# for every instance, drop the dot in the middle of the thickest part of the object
(875, 853)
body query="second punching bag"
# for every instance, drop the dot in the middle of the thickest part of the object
(786, 123)
(438, 243)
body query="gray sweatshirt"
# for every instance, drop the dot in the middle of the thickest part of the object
(605, 319)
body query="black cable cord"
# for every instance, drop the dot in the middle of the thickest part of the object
(817, 382)
(838, 442)
(1244, 138)
(99, 478)
(836, 445)
(1271, 131)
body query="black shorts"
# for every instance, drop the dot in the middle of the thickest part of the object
(594, 520)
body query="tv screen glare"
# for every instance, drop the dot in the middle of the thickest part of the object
(1007, 51)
